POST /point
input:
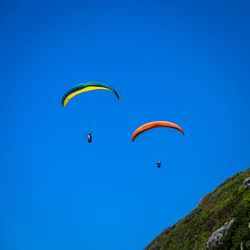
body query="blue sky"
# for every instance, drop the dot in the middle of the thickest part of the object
(186, 62)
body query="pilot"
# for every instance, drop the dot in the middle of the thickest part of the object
(89, 137)
(158, 164)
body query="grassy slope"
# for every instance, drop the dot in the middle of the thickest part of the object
(227, 201)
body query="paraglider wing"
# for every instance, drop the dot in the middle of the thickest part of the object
(156, 124)
(83, 88)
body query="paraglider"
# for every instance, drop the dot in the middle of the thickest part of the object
(156, 124)
(84, 87)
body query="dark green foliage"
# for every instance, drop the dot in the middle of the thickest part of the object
(228, 201)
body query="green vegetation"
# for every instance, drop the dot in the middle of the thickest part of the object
(228, 201)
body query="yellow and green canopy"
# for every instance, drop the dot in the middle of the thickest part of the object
(83, 88)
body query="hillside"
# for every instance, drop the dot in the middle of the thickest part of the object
(223, 214)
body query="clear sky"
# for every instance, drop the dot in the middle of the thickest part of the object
(181, 61)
